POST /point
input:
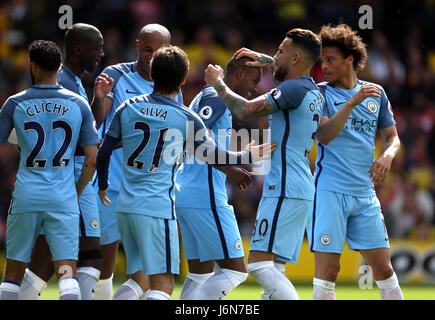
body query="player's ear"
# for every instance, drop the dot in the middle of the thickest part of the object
(296, 58)
(137, 45)
(349, 59)
(183, 82)
(78, 49)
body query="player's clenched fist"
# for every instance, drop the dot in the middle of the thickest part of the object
(212, 74)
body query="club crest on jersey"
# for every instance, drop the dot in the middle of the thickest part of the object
(275, 93)
(325, 239)
(238, 244)
(94, 224)
(206, 112)
(372, 106)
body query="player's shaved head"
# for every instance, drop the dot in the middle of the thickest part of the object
(80, 34)
(241, 78)
(236, 64)
(156, 30)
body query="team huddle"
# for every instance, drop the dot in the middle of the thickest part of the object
(136, 166)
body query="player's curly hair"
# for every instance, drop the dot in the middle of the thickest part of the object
(347, 41)
(46, 54)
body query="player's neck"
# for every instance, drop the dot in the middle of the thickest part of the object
(295, 74)
(348, 81)
(170, 95)
(47, 80)
(74, 67)
(143, 72)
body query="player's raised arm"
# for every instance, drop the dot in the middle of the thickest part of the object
(101, 105)
(239, 106)
(260, 59)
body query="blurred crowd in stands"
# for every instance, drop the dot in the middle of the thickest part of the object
(401, 58)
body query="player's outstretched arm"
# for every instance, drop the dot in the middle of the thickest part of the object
(205, 149)
(329, 128)
(88, 168)
(240, 107)
(380, 168)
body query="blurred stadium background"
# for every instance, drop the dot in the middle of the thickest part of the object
(401, 58)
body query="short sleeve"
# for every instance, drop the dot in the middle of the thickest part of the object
(210, 109)
(6, 120)
(288, 95)
(386, 116)
(114, 129)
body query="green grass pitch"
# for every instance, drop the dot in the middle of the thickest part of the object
(252, 292)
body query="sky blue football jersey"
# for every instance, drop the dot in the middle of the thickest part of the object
(298, 105)
(155, 131)
(343, 165)
(67, 79)
(199, 185)
(127, 84)
(48, 120)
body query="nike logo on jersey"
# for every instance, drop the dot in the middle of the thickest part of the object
(338, 103)
(254, 241)
(131, 92)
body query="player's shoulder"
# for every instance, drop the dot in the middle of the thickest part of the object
(68, 94)
(77, 99)
(121, 68)
(363, 83)
(299, 86)
(19, 96)
(211, 98)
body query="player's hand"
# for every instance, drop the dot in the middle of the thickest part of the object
(260, 60)
(102, 194)
(368, 90)
(239, 176)
(213, 74)
(103, 85)
(262, 151)
(380, 168)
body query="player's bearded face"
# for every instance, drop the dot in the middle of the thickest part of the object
(281, 71)
(282, 58)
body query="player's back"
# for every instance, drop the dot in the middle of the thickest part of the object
(128, 83)
(198, 184)
(153, 132)
(48, 121)
(293, 127)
